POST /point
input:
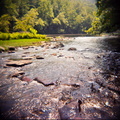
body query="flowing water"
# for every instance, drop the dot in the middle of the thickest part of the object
(82, 83)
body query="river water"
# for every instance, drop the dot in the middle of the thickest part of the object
(86, 81)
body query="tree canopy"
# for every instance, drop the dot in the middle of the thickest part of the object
(107, 17)
(46, 16)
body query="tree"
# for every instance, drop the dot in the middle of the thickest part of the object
(48, 16)
(5, 23)
(28, 21)
(108, 12)
(45, 10)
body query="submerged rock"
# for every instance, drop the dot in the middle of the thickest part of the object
(19, 63)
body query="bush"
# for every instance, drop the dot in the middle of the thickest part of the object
(18, 35)
(4, 36)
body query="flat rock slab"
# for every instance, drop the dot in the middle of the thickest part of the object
(39, 57)
(19, 63)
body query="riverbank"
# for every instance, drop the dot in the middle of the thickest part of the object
(6, 44)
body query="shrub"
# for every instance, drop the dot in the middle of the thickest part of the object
(4, 36)
(14, 36)
(18, 35)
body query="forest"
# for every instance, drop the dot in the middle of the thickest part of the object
(46, 16)
(106, 17)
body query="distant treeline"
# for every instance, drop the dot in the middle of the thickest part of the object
(46, 16)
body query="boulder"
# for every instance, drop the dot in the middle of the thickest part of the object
(19, 63)
(11, 48)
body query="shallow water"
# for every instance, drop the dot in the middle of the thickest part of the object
(89, 75)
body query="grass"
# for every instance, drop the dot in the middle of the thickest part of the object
(20, 42)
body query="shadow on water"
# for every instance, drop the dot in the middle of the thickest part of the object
(6, 103)
(111, 44)
(110, 61)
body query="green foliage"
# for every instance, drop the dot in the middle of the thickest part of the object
(108, 12)
(96, 26)
(5, 23)
(47, 16)
(28, 21)
(33, 31)
(4, 36)
(17, 35)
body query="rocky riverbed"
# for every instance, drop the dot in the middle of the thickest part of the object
(78, 78)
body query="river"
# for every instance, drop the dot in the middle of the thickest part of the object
(80, 80)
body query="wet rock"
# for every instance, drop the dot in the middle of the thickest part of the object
(25, 47)
(26, 52)
(17, 73)
(47, 47)
(11, 52)
(5, 66)
(63, 112)
(44, 44)
(60, 55)
(18, 63)
(98, 56)
(41, 82)
(72, 49)
(23, 55)
(54, 54)
(70, 110)
(2, 49)
(43, 114)
(39, 57)
(79, 105)
(61, 44)
(76, 85)
(15, 58)
(95, 87)
(27, 58)
(26, 79)
(56, 45)
(11, 48)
